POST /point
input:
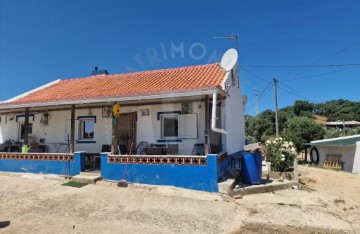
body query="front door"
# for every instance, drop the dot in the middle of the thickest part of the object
(125, 132)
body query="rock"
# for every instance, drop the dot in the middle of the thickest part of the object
(306, 180)
(281, 179)
(302, 181)
(237, 196)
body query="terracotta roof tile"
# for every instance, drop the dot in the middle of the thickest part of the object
(128, 84)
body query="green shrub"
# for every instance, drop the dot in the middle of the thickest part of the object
(281, 154)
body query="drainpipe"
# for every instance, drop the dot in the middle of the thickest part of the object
(213, 116)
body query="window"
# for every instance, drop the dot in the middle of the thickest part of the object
(22, 130)
(188, 126)
(179, 126)
(169, 126)
(86, 129)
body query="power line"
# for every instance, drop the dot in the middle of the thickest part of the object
(288, 87)
(326, 57)
(294, 91)
(262, 92)
(294, 94)
(305, 66)
(254, 75)
(321, 74)
(258, 95)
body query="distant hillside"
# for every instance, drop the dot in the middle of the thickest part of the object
(338, 110)
(262, 126)
(320, 119)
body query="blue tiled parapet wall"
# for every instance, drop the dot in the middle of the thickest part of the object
(45, 163)
(191, 172)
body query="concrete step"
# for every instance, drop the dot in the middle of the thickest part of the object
(90, 178)
(226, 186)
(227, 181)
(265, 186)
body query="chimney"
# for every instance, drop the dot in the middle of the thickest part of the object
(98, 72)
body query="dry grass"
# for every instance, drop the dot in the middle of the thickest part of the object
(339, 201)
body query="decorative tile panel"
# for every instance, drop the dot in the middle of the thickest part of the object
(158, 160)
(35, 156)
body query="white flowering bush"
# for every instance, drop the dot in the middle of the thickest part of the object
(280, 153)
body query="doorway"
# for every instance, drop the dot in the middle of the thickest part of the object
(125, 132)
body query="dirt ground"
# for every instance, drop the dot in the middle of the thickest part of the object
(328, 203)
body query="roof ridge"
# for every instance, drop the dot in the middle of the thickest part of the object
(144, 72)
(160, 81)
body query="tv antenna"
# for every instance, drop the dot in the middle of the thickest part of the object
(232, 37)
(236, 38)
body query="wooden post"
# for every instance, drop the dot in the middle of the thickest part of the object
(26, 126)
(207, 124)
(113, 137)
(72, 133)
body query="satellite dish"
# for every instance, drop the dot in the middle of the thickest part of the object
(229, 59)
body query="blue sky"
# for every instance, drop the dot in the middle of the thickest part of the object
(41, 41)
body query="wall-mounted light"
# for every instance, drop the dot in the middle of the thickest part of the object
(90, 112)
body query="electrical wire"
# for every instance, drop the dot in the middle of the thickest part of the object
(326, 57)
(294, 94)
(288, 87)
(321, 74)
(264, 92)
(254, 75)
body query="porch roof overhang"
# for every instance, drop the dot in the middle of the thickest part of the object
(125, 100)
(336, 142)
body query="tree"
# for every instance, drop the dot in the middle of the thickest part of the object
(339, 110)
(259, 127)
(301, 130)
(303, 108)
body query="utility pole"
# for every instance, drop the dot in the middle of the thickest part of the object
(257, 101)
(276, 108)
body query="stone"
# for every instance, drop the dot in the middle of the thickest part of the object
(238, 196)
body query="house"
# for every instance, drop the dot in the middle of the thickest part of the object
(342, 124)
(179, 116)
(341, 153)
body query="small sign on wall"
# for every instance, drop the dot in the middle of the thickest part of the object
(144, 112)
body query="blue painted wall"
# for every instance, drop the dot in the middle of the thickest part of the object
(222, 168)
(195, 177)
(45, 166)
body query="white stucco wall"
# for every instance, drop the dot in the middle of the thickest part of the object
(148, 127)
(356, 165)
(234, 120)
(347, 153)
(54, 132)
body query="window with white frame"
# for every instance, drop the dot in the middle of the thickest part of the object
(86, 129)
(179, 126)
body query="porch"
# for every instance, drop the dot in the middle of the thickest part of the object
(176, 126)
(192, 172)
(169, 141)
